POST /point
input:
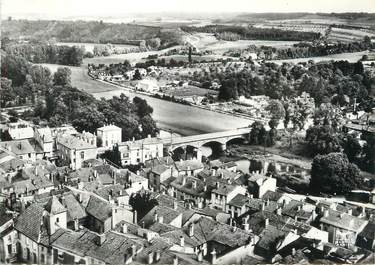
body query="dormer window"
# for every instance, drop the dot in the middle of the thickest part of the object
(57, 219)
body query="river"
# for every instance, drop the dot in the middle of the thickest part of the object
(183, 119)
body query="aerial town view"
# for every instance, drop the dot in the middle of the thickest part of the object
(187, 132)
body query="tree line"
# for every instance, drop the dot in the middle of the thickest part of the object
(38, 52)
(231, 32)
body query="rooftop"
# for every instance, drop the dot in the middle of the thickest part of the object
(344, 221)
(73, 142)
(18, 147)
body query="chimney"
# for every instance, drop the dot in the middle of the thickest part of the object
(157, 256)
(155, 216)
(175, 205)
(262, 206)
(124, 228)
(217, 185)
(150, 258)
(183, 180)
(160, 219)
(246, 226)
(35, 170)
(135, 217)
(200, 256)
(350, 211)
(191, 230)
(76, 224)
(205, 188)
(182, 241)
(293, 251)
(266, 222)
(279, 211)
(213, 172)
(326, 213)
(175, 260)
(101, 239)
(213, 256)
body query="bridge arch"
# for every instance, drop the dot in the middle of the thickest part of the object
(184, 151)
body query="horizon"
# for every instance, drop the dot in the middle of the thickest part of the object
(70, 9)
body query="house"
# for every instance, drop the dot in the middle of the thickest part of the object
(73, 150)
(162, 214)
(109, 135)
(87, 247)
(343, 228)
(21, 148)
(99, 215)
(20, 130)
(221, 243)
(188, 188)
(136, 152)
(224, 193)
(148, 85)
(43, 136)
(259, 184)
(366, 238)
(8, 236)
(160, 176)
(115, 194)
(37, 226)
(188, 167)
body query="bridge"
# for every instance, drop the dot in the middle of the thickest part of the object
(197, 141)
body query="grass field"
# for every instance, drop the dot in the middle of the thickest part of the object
(350, 57)
(82, 80)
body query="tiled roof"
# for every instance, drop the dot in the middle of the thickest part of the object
(239, 200)
(168, 215)
(4, 215)
(188, 165)
(74, 208)
(272, 195)
(73, 142)
(46, 133)
(207, 230)
(84, 243)
(18, 147)
(344, 221)
(29, 222)
(113, 190)
(99, 209)
(269, 238)
(109, 128)
(369, 231)
(160, 169)
(188, 186)
(53, 206)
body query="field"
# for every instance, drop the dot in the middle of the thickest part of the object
(188, 91)
(207, 41)
(89, 47)
(351, 57)
(82, 80)
(348, 35)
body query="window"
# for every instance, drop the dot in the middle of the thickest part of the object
(82, 155)
(57, 219)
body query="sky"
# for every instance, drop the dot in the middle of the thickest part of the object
(66, 8)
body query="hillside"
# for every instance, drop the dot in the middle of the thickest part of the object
(84, 31)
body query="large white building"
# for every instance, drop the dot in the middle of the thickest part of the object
(135, 152)
(109, 135)
(74, 150)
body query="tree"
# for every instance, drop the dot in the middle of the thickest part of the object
(228, 90)
(189, 57)
(137, 75)
(322, 140)
(276, 109)
(352, 148)
(334, 174)
(62, 77)
(142, 203)
(255, 136)
(369, 152)
(143, 109)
